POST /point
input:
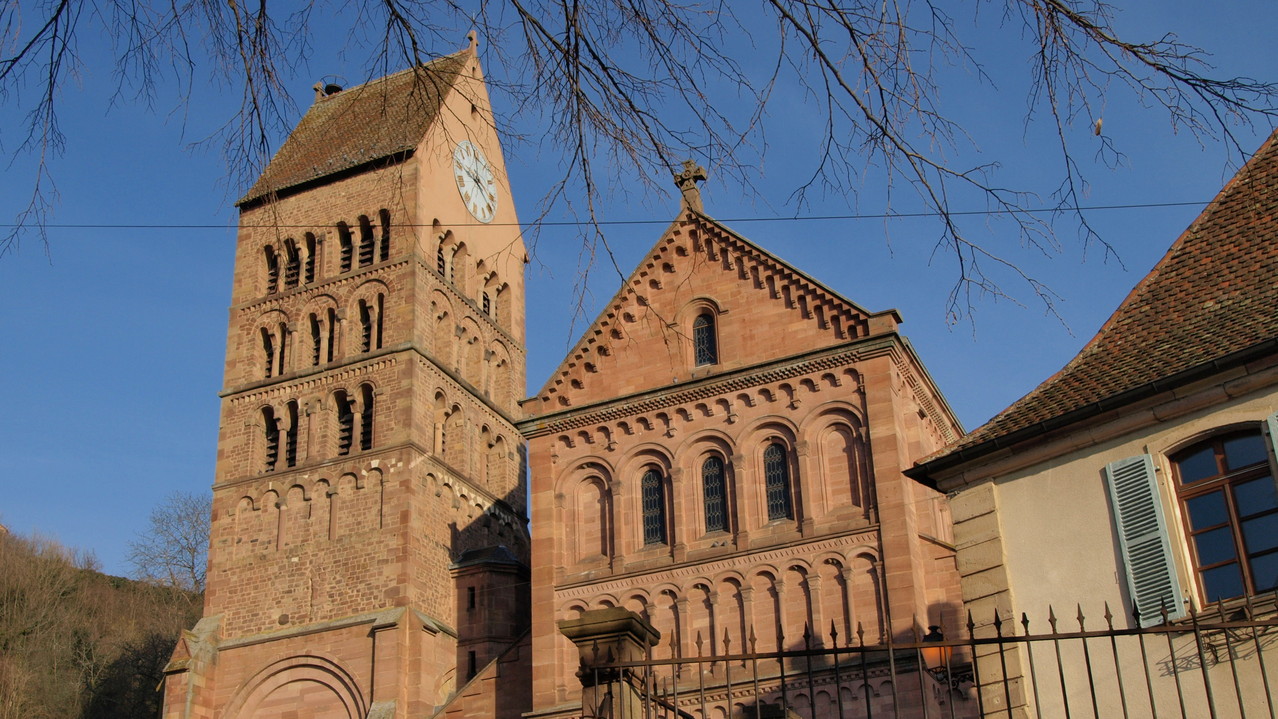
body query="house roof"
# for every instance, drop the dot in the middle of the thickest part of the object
(350, 128)
(1211, 300)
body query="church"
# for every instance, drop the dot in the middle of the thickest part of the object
(396, 532)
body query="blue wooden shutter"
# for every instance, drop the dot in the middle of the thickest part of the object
(1271, 424)
(1143, 539)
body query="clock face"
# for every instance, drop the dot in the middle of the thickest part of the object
(475, 181)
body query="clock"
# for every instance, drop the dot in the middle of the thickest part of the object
(475, 181)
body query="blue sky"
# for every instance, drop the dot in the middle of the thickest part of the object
(114, 335)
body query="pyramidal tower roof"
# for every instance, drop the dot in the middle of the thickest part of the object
(1210, 302)
(374, 122)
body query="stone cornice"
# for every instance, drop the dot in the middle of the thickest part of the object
(679, 393)
(710, 568)
(365, 361)
(1100, 427)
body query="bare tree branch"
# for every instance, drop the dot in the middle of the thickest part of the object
(626, 89)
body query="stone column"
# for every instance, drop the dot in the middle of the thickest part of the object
(605, 638)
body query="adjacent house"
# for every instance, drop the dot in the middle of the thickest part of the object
(1139, 479)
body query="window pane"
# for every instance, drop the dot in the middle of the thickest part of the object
(1215, 546)
(703, 340)
(1256, 496)
(1207, 510)
(1198, 465)
(654, 508)
(1261, 533)
(1244, 451)
(776, 476)
(1223, 583)
(713, 490)
(1264, 572)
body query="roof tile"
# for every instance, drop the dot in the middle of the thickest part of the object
(1214, 293)
(373, 121)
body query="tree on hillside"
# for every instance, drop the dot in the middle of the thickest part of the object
(629, 88)
(173, 550)
(77, 643)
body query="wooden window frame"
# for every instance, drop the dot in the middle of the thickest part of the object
(1225, 481)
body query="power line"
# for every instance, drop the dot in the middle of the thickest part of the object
(613, 223)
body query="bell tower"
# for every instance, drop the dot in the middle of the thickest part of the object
(375, 355)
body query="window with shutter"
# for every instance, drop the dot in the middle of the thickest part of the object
(1143, 539)
(1230, 508)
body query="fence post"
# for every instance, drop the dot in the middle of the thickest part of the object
(605, 638)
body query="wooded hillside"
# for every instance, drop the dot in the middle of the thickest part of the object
(76, 643)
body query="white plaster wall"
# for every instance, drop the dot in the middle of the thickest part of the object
(1060, 546)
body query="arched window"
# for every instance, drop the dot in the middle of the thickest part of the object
(347, 245)
(704, 343)
(367, 246)
(272, 270)
(714, 492)
(280, 349)
(290, 437)
(292, 265)
(652, 489)
(488, 304)
(366, 326)
(308, 268)
(331, 328)
(345, 423)
(1230, 506)
(317, 340)
(365, 417)
(370, 320)
(271, 427)
(383, 253)
(268, 352)
(441, 264)
(776, 480)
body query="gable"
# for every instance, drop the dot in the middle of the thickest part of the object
(762, 310)
(379, 120)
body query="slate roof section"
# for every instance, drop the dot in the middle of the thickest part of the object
(367, 123)
(1210, 301)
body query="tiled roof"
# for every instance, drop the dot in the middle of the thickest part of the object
(373, 121)
(1213, 295)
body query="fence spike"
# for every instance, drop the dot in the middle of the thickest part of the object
(727, 642)
(1162, 609)
(1109, 617)
(807, 636)
(860, 634)
(971, 625)
(594, 651)
(753, 640)
(1025, 622)
(1081, 619)
(1136, 614)
(698, 642)
(1051, 618)
(834, 634)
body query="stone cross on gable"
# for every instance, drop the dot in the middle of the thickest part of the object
(687, 181)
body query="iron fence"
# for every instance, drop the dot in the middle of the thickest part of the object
(1213, 666)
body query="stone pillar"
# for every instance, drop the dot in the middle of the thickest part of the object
(604, 638)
